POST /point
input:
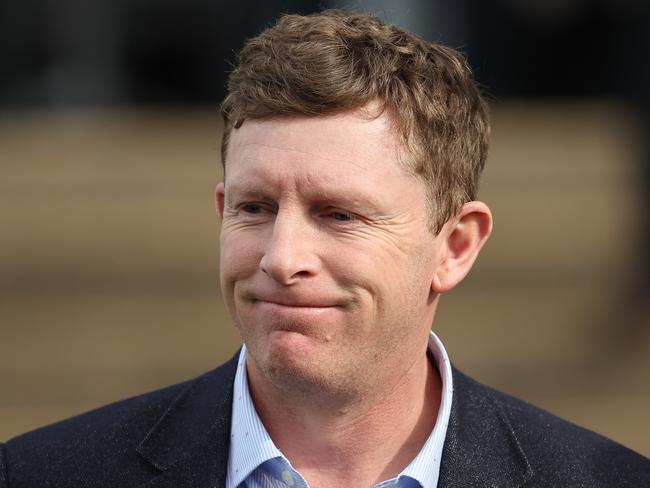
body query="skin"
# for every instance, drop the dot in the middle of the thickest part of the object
(332, 276)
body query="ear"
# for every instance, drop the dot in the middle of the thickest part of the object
(463, 237)
(220, 195)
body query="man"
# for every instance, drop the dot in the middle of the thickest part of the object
(352, 155)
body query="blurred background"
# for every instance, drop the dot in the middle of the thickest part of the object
(109, 152)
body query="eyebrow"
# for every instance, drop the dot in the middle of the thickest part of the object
(247, 190)
(343, 196)
(339, 196)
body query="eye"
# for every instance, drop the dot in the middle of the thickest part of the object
(251, 208)
(342, 216)
(338, 215)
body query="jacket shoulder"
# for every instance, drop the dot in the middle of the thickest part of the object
(89, 447)
(561, 453)
(96, 448)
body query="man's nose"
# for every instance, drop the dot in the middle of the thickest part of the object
(290, 254)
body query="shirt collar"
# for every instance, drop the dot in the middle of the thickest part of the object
(251, 445)
(425, 467)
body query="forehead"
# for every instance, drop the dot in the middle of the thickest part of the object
(320, 147)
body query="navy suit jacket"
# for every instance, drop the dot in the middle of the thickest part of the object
(178, 437)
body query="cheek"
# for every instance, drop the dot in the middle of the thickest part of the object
(376, 277)
(374, 261)
(240, 250)
(394, 281)
(240, 257)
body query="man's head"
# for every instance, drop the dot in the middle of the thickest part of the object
(328, 263)
(336, 61)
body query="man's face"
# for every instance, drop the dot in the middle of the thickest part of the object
(326, 255)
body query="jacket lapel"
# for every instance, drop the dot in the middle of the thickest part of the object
(481, 448)
(189, 445)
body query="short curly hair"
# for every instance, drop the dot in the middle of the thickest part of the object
(334, 61)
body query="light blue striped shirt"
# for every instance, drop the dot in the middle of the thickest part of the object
(255, 462)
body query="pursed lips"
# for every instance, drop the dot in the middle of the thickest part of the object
(294, 300)
(307, 298)
(295, 304)
(307, 313)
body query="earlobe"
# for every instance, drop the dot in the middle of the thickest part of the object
(464, 236)
(220, 195)
(436, 284)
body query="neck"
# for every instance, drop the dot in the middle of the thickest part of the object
(358, 443)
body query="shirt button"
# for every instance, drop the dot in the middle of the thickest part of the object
(288, 479)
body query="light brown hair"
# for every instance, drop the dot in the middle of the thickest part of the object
(335, 61)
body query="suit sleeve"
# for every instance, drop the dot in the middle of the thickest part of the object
(4, 482)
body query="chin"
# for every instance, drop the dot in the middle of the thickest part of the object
(299, 370)
(292, 352)
(295, 357)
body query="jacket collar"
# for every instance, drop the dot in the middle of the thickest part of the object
(190, 442)
(481, 448)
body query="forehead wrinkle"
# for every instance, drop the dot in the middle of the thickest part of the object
(322, 186)
(310, 188)
(310, 171)
(307, 155)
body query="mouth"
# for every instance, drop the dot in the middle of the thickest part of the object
(308, 301)
(285, 315)
(294, 305)
(289, 319)
(305, 299)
